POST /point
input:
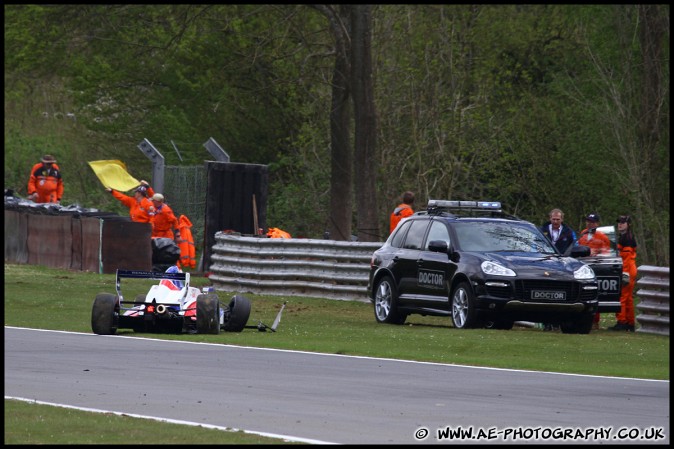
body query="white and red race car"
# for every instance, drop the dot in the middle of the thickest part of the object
(172, 306)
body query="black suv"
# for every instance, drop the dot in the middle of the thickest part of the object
(485, 268)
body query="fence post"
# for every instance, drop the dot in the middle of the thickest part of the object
(157, 164)
(216, 150)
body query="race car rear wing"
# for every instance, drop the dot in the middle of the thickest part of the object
(154, 275)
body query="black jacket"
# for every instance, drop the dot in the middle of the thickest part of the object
(567, 237)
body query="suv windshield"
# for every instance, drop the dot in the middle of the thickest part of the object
(490, 236)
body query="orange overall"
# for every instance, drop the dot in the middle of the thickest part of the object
(163, 222)
(403, 210)
(629, 255)
(46, 182)
(139, 211)
(599, 244)
(276, 233)
(186, 243)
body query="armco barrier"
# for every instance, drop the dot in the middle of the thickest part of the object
(301, 267)
(340, 270)
(653, 293)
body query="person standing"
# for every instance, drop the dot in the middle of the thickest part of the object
(185, 242)
(45, 184)
(627, 245)
(140, 207)
(561, 236)
(598, 242)
(559, 233)
(403, 210)
(163, 219)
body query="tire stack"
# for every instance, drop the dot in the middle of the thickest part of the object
(165, 253)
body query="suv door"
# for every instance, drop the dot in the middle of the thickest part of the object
(608, 268)
(406, 260)
(435, 270)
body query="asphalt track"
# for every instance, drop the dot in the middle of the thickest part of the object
(324, 398)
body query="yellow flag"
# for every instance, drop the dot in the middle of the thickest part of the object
(113, 174)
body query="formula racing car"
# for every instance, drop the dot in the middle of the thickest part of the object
(172, 306)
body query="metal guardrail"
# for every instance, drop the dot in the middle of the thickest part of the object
(340, 270)
(300, 267)
(653, 293)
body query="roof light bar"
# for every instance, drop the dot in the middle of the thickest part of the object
(450, 204)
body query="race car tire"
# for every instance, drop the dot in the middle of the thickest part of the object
(239, 312)
(104, 316)
(208, 314)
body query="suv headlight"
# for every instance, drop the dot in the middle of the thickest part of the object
(584, 272)
(495, 269)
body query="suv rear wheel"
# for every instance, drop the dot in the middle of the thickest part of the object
(582, 325)
(499, 324)
(464, 313)
(385, 302)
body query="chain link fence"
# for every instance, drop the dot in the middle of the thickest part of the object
(185, 191)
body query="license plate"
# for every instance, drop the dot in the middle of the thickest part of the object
(549, 295)
(608, 285)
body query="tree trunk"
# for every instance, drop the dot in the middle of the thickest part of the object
(341, 156)
(365, 124)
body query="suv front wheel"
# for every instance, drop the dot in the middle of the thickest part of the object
(464, 313)
(385, 302)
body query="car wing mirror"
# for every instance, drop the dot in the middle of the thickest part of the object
(442, 246)
(580, 251)
(438, 246)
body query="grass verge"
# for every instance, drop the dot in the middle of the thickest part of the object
(41, 297)
(31, 423)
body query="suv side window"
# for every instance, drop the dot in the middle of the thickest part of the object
(397, 239)
(438, 231)
(415, 236)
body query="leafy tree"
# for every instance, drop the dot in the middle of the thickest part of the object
(538, 106)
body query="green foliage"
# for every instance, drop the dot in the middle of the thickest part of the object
(538, 106)
(300, 187)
